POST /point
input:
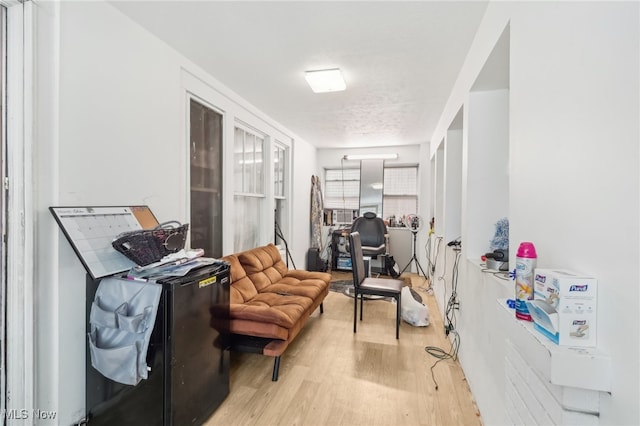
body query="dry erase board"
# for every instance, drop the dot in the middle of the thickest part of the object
(90, 231)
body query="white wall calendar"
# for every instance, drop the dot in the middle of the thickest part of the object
(91, 230)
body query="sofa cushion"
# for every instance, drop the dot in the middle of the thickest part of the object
(311, 288)
(272, 308)
(242, 288)
(263, 265)
(301, 274)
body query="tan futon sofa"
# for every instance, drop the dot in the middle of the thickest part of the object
(270, 303)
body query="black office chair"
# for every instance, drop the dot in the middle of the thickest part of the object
(374, 286)
(373, 234)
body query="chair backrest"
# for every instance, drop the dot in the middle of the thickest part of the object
(371, 228)
(357, 259)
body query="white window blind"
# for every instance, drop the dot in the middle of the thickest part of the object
(400, 191)
(401, 181)
(342, 189)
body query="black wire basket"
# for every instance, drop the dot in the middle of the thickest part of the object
(148, 246)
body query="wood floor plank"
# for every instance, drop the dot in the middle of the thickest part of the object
(331, 376)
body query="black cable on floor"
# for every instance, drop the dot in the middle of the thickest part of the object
(439, 353)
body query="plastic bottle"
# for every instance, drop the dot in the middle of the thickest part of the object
(526, 258)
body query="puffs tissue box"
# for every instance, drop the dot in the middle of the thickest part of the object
(564, 307)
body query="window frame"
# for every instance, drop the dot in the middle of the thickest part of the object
(344, 205)
(398, 196)
(281, 202)
(331, 204)
(192, 97)
(259, 192)
(259, 195)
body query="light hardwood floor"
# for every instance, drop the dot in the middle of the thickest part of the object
(331, 376)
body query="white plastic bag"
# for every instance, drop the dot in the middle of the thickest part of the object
(413, 312)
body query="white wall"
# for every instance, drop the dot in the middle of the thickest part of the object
(425, 179)
(407, 154)
(452, 184)
(573, 176)
(303, 169)
(332, 157)
(486, 169)
(112, 106)
(438, 193)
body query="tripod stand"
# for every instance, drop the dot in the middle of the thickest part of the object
(413, 256)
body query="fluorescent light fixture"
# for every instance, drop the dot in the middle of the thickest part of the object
(371, 157)
(321, 81)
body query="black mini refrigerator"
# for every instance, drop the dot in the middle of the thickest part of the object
(174, 373)
(188, 357)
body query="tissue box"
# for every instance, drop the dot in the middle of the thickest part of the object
(565, 307)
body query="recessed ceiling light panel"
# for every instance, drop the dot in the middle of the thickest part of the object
(322, 81)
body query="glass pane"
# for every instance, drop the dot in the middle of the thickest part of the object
(340, 174)
(342, 189)
(342, 195)
(238, 160)
(247, 216)
(259, 166)
(280, 220)
(206, 179)
(276, 173)
(249, 163)
(400, 206)
(401, 181)
(281, 163)
(277, 170)
(281, 216)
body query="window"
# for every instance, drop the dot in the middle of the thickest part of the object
(400, 191)
(249, 187)
(249, 162)
(280, 155)
(278, 170)
(342, 189)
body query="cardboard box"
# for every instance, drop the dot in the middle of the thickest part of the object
(565, 306)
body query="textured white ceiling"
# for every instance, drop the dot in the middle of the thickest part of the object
(400, 59)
